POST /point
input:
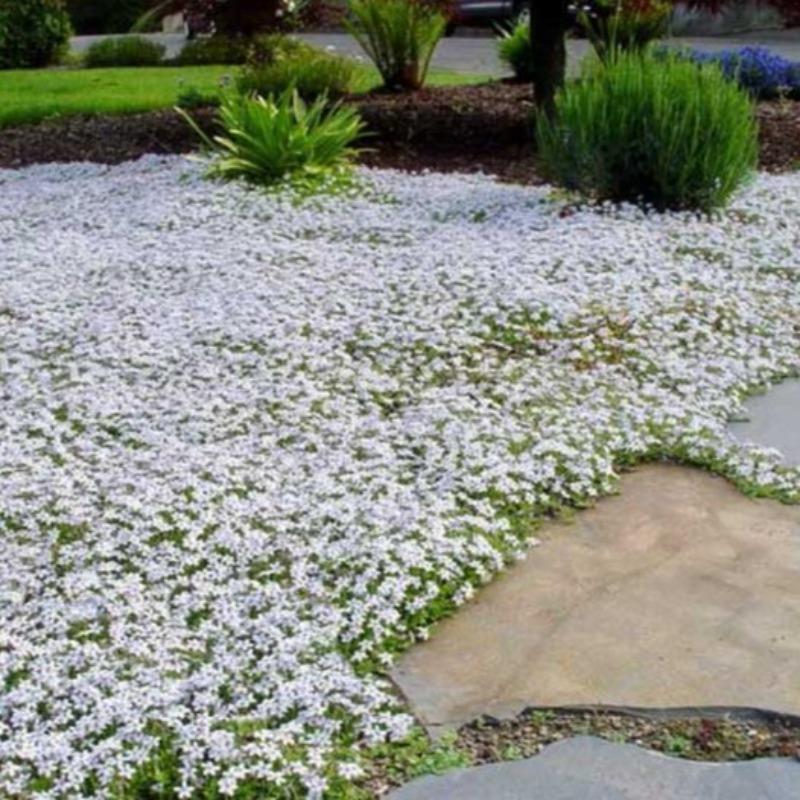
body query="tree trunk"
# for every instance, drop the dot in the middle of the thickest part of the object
(550, 22)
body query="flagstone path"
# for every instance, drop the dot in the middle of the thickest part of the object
(678, 592)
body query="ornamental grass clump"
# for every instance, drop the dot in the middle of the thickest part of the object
(665, 133)
(399, 36)
(269, 140)
(514, 49)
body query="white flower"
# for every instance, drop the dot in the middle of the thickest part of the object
(240, 434)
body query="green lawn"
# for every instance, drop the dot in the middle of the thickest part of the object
(34, 95)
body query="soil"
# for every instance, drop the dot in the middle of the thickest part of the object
(711, 735)
(698, 738)
(463, 128)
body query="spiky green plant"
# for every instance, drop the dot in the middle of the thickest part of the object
(514, 49)
(614, 26)
(661, 131)
(399, 36)
(268, 140)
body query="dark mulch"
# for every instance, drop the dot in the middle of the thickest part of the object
(484, 116)
(780, 135)
(464, 128)
(104, 139)
(514, 163)
(698, 738)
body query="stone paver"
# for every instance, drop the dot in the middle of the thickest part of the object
(774, 421)
(585, 768)
(678, 592)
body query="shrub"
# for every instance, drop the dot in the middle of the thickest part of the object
(311, 75)
(257, 50)
(665, 132)
(624, 25)
(213, 50)
(124, 51)
(33, 33)
(270, 47)
(192, 97)
(399, 36)
(764, 74)
(268, 140)
(514, 49)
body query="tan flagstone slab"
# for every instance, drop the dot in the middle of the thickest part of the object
(678, 592)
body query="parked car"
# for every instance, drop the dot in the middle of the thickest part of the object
(487, 12)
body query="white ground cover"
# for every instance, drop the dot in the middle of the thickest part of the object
(243, 441)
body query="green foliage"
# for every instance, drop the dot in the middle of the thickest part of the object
(213, 50)
(625, 25)
(399, 36)
(29, 96)
(124, 51)
(439, 757)
(33, 33)
(664, 132)
(268, 140)
(417, 755)
(312, 74)
(192, 97)
(514, 49)
(255, 51)
(269, 47)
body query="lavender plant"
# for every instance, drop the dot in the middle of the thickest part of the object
(658, 131)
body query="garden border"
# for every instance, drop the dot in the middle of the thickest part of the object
(484, 127)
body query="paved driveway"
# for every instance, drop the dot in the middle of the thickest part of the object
(476, 54)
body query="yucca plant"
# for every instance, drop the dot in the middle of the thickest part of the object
(268, 140)
(399, 36)
(514, 48)
(664, 132)
(614, 26)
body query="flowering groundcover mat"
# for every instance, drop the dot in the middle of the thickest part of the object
(251, 446)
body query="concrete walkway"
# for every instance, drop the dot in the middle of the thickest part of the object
(585, 768)
(678, 592)
(774, 421)
(477, 55)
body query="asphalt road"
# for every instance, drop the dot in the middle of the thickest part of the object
(476, 54)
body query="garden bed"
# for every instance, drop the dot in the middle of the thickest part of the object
(711, 736)
(696, 736)
(252, 446)
(484, 127)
